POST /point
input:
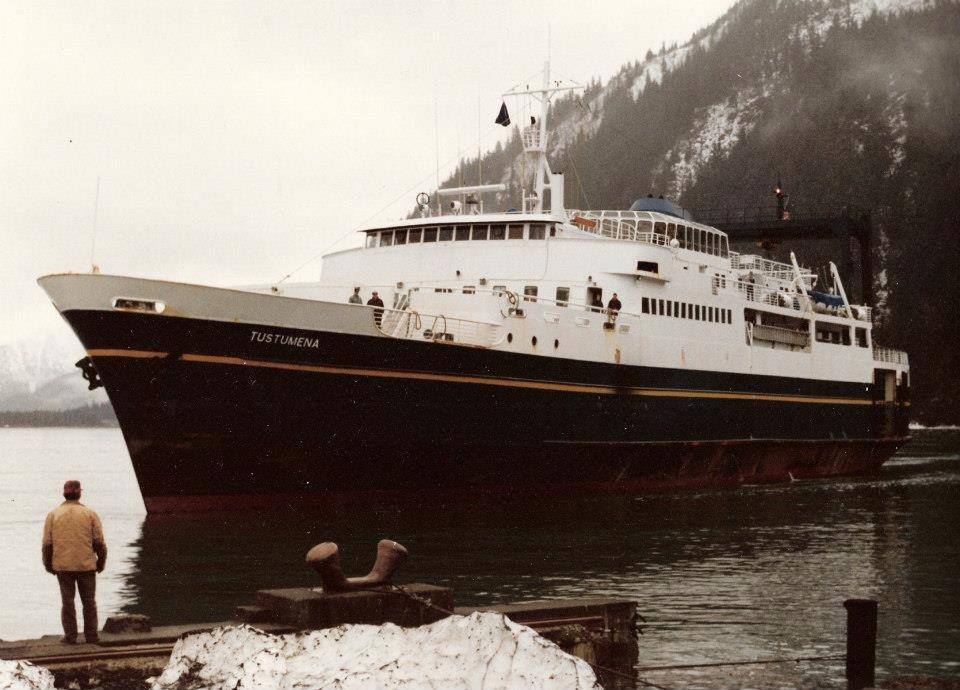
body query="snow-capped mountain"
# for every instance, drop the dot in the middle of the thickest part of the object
(855, 104)
(718, 125)
(38, 373)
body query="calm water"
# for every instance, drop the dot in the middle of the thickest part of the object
(752, 573)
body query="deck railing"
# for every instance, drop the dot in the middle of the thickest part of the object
(891, 356)
(619, 225)
(752, 262)
(776, 334)
(412, 325)
(755, 292)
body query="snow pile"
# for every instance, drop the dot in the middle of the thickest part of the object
(483, 650)
(22, 675)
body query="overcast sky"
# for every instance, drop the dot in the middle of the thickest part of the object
(235, 141)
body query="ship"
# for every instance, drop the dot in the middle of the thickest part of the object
(526, 351)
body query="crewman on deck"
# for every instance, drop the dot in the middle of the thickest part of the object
(75, 551)
(375, 301)
(596, 303)
(355, 297)
(613, 308)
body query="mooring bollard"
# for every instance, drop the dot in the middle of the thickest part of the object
(325, 560)
(861, 642)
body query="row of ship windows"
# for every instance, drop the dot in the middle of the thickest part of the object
(682, 310)
(648, 305)
(447, 233)
(695, 239)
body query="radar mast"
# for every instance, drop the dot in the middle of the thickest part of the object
(534, 137)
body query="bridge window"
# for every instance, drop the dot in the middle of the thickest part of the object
(498, 232)
(671, 230)
(861, 334)
(446, 233)
(648, 266)
(386, 238)
(371, 240)
(683, 310)
(515, 232)
(563, 296)
(414, 236)
(669, 308)
(462, 233)
(537, 231)
(429, 234)
(645, 305)
(400, 237)
(530, 293)
(660, 309)
(479, 232)
(660, 228)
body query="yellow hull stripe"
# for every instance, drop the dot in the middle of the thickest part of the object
(486, 380)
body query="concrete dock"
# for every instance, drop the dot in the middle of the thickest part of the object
(599, 630)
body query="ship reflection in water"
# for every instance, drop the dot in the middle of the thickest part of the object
(753, 573)
(748, 573)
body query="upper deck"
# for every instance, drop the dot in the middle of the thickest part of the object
(636, 226)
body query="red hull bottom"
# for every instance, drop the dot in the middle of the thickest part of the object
(635, 468)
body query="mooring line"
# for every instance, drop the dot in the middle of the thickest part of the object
(743, 663)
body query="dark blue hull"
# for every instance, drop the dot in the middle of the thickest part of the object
(216, 416)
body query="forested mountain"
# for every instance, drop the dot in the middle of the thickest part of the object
(851, 103)
(94, 414)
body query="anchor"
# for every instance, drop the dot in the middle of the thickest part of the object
(89, 373)
(325, 559)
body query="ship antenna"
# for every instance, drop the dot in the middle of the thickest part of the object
(436, 129)
(479, 137)
(534, 137)
(93, 232)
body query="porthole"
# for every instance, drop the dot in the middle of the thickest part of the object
(556, 344)
(533, 341)
(509, 337)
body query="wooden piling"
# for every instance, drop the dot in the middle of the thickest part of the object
(861, 642)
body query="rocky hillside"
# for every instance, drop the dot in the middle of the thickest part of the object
(850, 102)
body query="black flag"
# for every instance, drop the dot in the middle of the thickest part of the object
(504, 117)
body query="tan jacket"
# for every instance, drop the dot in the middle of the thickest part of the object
(75, 536)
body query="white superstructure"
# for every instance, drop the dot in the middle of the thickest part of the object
(539, 280)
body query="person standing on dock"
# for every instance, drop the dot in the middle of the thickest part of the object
(75, 551)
